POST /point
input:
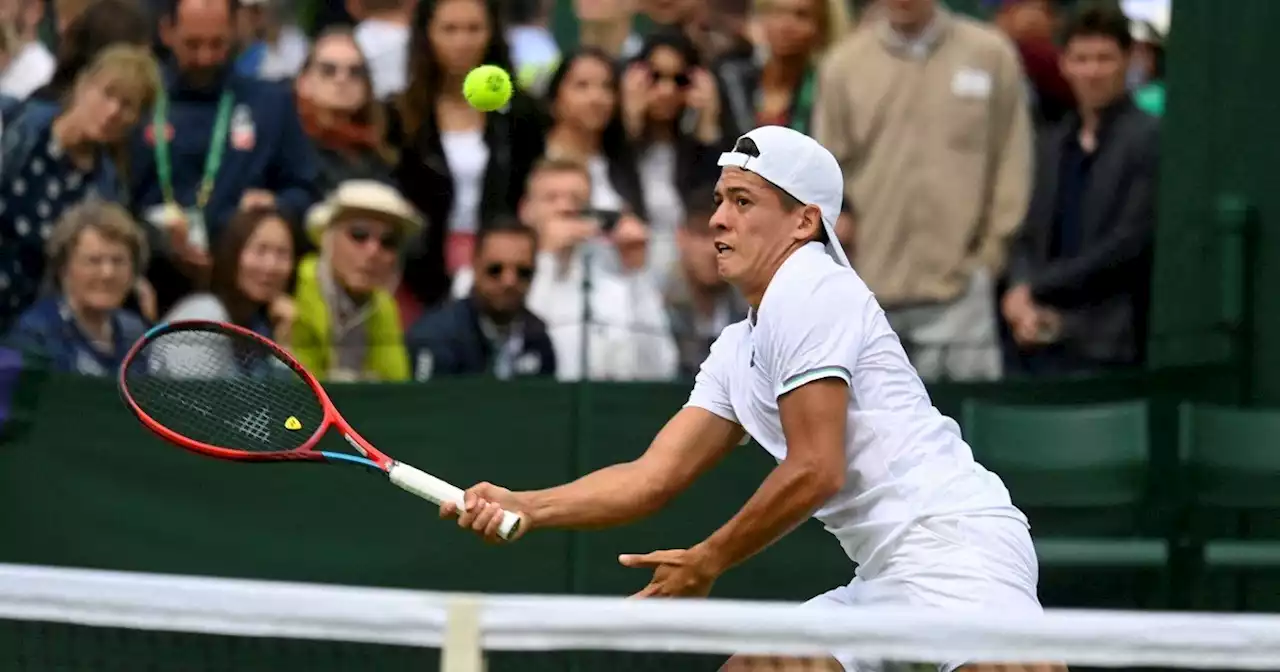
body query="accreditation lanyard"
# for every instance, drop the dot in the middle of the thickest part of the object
(217, 145)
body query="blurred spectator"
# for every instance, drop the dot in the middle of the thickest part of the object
(583, 254)
(534, 51)
(340, 114)
(65, 13)
(1080, 271)
(728, 36)
(96, 252)
(587, 128)
(690, 17)
(605, 25)
(270, 46)
(101, 24)
(1146, 68)
(54, 157)
(1031, 25)
(491, 332)
(927, 113)
(383, 36)
(248, 286)
(347, 326)
(779, 88)
(30, 65)
(700, 304)
(217, 142)
(460, 167)
(671, 110)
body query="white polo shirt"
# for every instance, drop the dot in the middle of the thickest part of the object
(906, 461)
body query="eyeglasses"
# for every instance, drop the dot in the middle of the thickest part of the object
(330, 70)
(680, 79)
(523, 273)
(361, 235)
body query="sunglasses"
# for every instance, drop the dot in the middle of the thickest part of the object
(331, 70)
(680, 79)
(361, 235)
(495, 270)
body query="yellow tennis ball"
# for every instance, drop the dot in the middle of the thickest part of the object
(487, 88)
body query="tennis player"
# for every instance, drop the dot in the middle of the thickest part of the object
(817, 377)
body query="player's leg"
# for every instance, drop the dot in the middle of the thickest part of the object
(964, 564)
(744, 663)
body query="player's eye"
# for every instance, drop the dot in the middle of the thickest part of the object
(742, 202)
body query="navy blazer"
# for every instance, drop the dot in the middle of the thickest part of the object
(448, 342)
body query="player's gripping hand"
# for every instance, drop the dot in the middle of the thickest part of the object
(485, 504)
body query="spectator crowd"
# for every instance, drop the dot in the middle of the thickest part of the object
(313, 173)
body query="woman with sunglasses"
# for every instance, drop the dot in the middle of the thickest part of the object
(671, 110)
(340, 114)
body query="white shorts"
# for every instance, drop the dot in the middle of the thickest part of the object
(971, 562)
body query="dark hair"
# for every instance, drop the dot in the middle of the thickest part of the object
(169, 8)
(671, 38)
(676, 40)
(224, 278)
(508, 225)
(102, 24)
(614, 145)
(417, 103)
(1100, 21)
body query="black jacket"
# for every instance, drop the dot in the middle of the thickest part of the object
(1102, 292)
(448, 341)
(516, 140)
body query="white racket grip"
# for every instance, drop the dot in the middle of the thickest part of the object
(437, 491)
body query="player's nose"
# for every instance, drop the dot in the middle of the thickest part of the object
(720, 218)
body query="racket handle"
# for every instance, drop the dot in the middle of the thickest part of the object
(437, 491)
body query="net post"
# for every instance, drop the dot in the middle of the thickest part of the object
(463, 649)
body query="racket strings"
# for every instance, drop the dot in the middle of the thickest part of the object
(224, 389)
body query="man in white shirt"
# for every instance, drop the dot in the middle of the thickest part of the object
(816, 376)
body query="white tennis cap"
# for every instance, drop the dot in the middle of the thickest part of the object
(798, 165)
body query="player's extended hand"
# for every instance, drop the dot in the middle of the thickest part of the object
(485, 503)
(677, 573)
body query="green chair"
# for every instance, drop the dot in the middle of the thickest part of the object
(1231, 480)
(1081, 475)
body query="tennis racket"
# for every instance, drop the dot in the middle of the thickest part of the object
(224, 391)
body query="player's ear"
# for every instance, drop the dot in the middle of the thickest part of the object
(810, 225)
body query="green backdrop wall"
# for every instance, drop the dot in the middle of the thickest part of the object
(87, 486)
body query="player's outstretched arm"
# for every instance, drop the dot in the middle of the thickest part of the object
(691, 442)
(814, 418)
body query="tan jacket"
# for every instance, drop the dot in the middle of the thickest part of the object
(936, 147)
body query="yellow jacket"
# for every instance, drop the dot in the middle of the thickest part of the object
(312, 338)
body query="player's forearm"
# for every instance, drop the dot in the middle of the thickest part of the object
(614, 495)
(786, 499)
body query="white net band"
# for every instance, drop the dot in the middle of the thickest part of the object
(556, 623)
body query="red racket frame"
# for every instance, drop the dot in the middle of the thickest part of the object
(305, 452)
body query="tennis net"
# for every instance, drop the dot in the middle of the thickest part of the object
(73, 619)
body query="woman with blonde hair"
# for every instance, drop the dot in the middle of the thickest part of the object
(778, 86)
(57, 155)
(96, 253)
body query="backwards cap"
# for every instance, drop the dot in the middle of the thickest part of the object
(798, 165)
